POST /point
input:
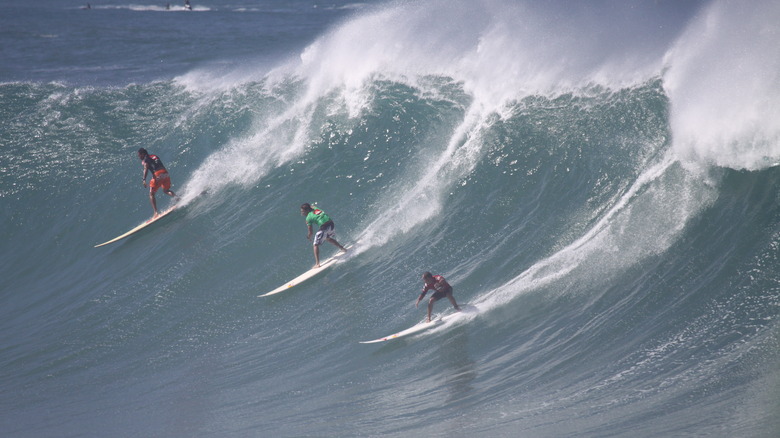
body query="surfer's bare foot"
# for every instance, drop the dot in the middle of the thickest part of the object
(316, 266)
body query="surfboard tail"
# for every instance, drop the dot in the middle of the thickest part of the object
(422, 326)
(338, 257)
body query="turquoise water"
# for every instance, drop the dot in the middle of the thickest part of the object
(609, 203)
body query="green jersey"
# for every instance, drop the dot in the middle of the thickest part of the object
(317, 216)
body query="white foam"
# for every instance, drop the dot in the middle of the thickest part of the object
(722, 81)
(645, 221)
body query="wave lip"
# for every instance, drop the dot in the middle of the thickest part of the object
(722, 82)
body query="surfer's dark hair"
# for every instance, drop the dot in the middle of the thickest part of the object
(427, 274)
(142, 151)
(306, 207)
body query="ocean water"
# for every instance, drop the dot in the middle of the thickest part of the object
(599, 178)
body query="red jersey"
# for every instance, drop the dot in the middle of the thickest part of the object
(439, 285)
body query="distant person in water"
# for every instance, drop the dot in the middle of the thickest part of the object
(327, 229)
(187, 5)
(442, 288)
(160, 177)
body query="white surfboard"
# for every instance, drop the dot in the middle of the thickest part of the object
(308, 274)
(464, 309)
(139, 227)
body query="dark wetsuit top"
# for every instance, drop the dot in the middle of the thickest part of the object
(153, 163)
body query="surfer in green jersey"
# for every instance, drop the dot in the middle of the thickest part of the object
(327, 229)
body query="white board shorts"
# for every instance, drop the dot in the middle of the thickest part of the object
(327, 231)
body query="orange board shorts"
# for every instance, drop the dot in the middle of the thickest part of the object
(162, 179)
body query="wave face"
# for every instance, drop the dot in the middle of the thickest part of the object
(609, 203)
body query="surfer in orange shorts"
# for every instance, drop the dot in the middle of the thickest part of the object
(160, 177)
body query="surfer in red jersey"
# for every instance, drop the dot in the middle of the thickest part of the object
(160, 177)
(442, 288)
